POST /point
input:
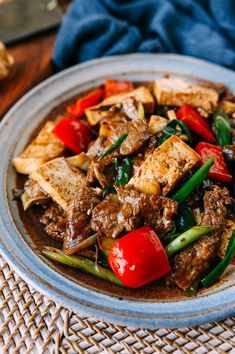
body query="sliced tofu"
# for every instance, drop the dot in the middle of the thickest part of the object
(175, 92)
(157, 123)
(166, 165)
(94, 114)
(60, 180)
(45, 147)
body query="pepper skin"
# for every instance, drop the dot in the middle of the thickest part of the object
(73, 133)
(114, 87)
(219, 170)
(196, 122)
(139, 258)
(77, 109)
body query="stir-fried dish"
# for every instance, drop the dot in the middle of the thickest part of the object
(136, 183)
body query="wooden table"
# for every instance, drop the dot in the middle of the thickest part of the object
(32, 65)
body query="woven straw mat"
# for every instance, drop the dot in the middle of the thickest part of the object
(32, 323)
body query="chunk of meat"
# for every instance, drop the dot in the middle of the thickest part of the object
(216, 203)
(129, 209)
(96, 149)
(166, 165)
(158, 212)
(99, 176)
(129, 107)
(45, 147)
(149, 147)
(95, 114)
(117, 213)
(138, 134)
(176, 92)
(137, 130)
(226, 237)
(79, 215)
(193, 260)
(54, 219)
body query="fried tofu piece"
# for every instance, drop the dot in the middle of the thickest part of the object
(176, 92)
(94, 114)
(45, 147)
(166, 165)
(60, 180)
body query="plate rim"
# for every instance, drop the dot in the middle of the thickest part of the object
(156, 322)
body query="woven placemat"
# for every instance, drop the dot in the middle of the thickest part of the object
(32, 323)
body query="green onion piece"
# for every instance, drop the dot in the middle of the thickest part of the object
(186, 129)
(116, 162)
(140, 109)
(105, 244)
(114, 145)
(215, 274)
(223, 130)
(81, 263)
(193, 182)
(171, 129)
(182, 222)
(124, 171)
(171, 237)
(184, 219)
(186, 238)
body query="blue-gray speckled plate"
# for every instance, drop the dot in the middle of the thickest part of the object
(15, 244)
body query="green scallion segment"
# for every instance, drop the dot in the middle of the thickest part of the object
(123, 168)
(185, 128)
(171, 129)
(140, 109)
(186, 239)
(223, 130)
(114, 145)
(81, 263)
(193, 182)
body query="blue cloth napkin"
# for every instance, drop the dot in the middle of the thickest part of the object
(98, 28)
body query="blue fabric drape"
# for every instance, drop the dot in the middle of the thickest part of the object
(97, 28)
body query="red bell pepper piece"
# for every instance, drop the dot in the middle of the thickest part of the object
(196, 122)
(139, 258)
(219, 170)
(73, 133)
(114, 87)
(78, 108)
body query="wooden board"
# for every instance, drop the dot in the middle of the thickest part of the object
(32, 65)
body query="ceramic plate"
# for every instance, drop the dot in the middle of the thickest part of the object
(15, 243)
